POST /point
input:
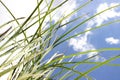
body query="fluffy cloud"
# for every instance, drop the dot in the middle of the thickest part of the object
(81, 43)
(112, 40)
(105, 16)
(112, 13)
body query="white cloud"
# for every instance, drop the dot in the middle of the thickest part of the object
(81, 43)
(112, 40)
(105, 16)
(112, 13)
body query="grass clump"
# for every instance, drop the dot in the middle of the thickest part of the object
(24, 57)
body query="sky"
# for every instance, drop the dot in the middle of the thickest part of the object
(100, 38)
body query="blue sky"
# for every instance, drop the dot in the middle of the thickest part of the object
(101, 38)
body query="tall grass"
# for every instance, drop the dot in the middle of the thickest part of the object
(24, 58)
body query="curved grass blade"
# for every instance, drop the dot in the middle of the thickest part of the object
(69, 31)
(97, 27)
(97, 66)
